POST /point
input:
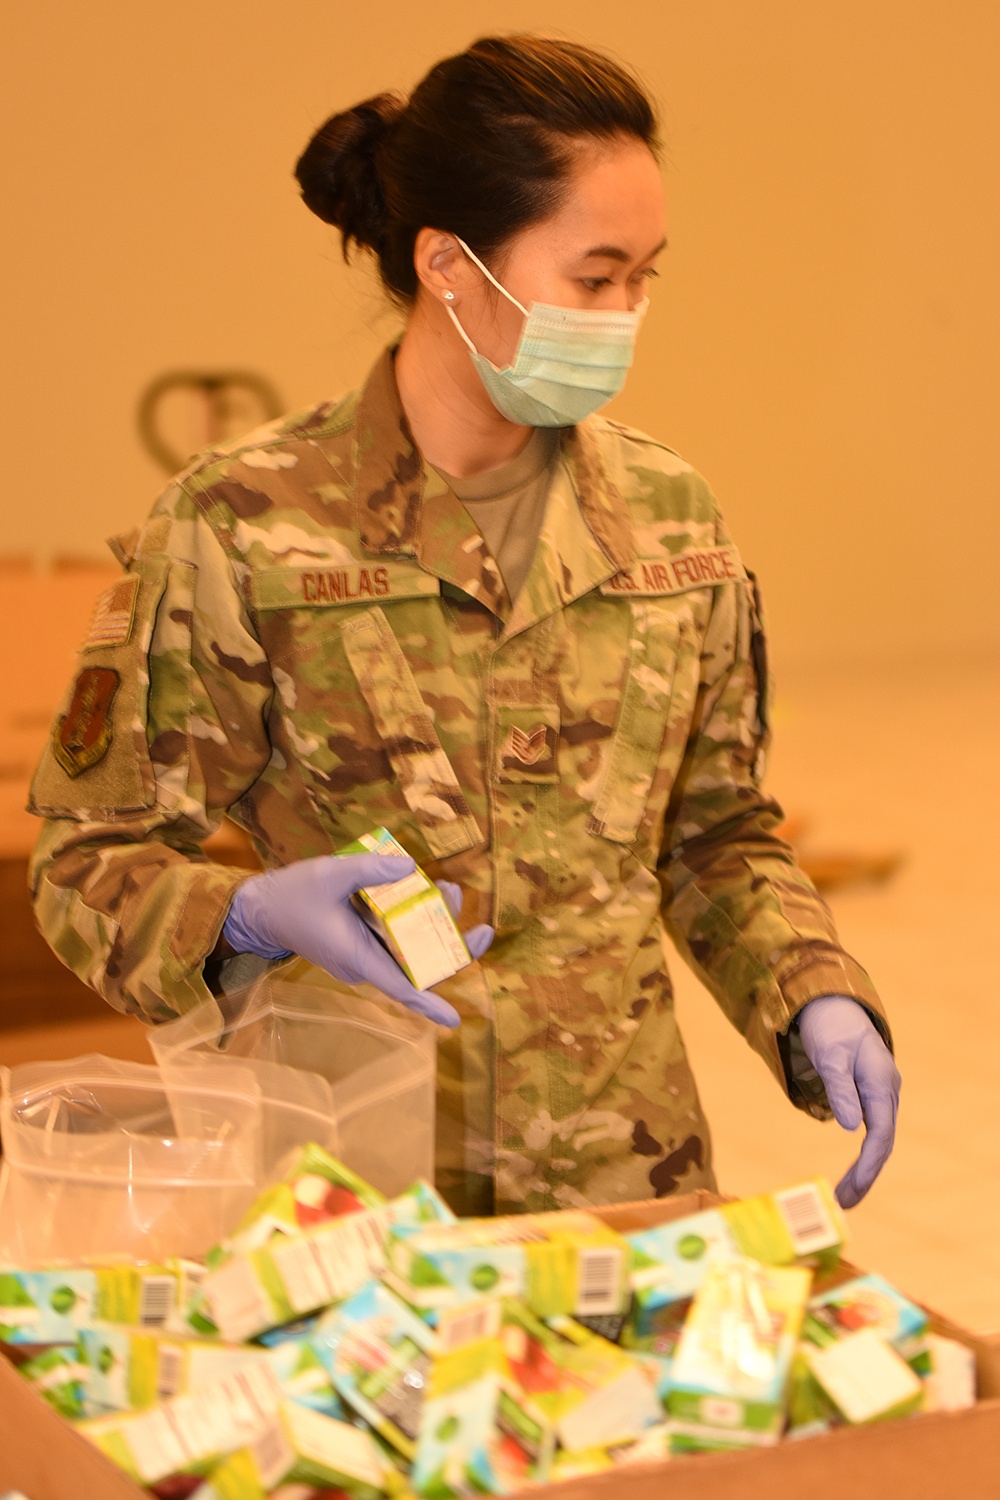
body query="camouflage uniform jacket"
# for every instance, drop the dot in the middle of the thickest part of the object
(312, 637)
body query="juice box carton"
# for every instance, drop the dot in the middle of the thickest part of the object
(304, 1449)
(801, 1224)
(475, 1437)
(51, 1306)
(950, 1383)
(657, 1369)
(189, 1434)
(378, 1352)
(732, 1366)
(867, 1302)
(810, 1410)
(304, 1378)
(567, 1262)
(864, 1377)
(130, 1369)
(237, 1477)
(296, 1274)
(588, 1391)
(314, 1188)
(60, 1375)
(652, 1446)
(411, 917)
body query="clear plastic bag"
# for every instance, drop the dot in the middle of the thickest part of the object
(97, 1161)
(341, 1066)
(106, 1158)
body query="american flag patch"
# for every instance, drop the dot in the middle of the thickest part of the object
(111, 622)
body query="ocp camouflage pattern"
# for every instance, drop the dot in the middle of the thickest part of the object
(322, 643)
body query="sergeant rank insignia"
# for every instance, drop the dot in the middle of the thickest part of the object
(83, 735)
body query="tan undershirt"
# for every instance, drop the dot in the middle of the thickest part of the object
(508, 504)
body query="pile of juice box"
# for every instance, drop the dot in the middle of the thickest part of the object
(341, 1344)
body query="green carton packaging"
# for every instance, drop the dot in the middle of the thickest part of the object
(306, 1450)
(51, 1306)
(867, 1302)
(728, 1384)
(475, 1436)
(60, 1375)
(567, 1262)
(190, 1434)
(296, 1274)
(801, 1224)
(314, 1188)
(304, 1378)
(586, 1390)
(411, 917)
(864, 1377)
(377, 1352)
(130, 1369)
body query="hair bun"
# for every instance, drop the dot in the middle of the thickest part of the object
(338, 171)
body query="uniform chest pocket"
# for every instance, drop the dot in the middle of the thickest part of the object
(651, 729)
(423, 771)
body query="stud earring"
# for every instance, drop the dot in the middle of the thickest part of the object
(449, 296)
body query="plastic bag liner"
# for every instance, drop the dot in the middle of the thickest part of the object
(102, 1160)
(341, 1066)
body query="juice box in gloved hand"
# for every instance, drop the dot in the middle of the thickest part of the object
(411, 917)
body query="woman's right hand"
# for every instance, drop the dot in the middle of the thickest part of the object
(306, 908)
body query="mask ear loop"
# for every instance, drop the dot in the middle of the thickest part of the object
(489, 277)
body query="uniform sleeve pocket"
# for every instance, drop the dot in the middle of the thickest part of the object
(404, 724)
(97, 763)
(651, 730)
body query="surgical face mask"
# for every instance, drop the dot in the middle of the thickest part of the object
(569, 361)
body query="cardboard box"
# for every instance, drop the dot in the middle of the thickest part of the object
(923, 1457)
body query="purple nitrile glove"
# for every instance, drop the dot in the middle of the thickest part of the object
(305, 908)
(861, 1081)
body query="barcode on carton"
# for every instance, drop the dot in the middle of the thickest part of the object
(169, 1371)
(237, 1302)
(807, 1219)
(156, 1300)
(463, 1325)
(273, 1455)
(599, 1281)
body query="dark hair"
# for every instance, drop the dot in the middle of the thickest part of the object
(481, 149)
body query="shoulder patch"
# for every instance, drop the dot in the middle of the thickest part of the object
(322, 587)
(114, 613)
(82, 737)
(697, 568)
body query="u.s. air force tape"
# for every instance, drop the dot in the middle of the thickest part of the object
(697, 568)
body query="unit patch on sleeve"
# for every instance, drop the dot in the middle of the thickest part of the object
(111, 622)
(697, 568)
(83, 736)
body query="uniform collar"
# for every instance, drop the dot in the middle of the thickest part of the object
(404, 507)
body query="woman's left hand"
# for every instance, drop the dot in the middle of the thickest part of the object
(861, 1081)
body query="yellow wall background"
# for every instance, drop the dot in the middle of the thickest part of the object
(824, 340)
